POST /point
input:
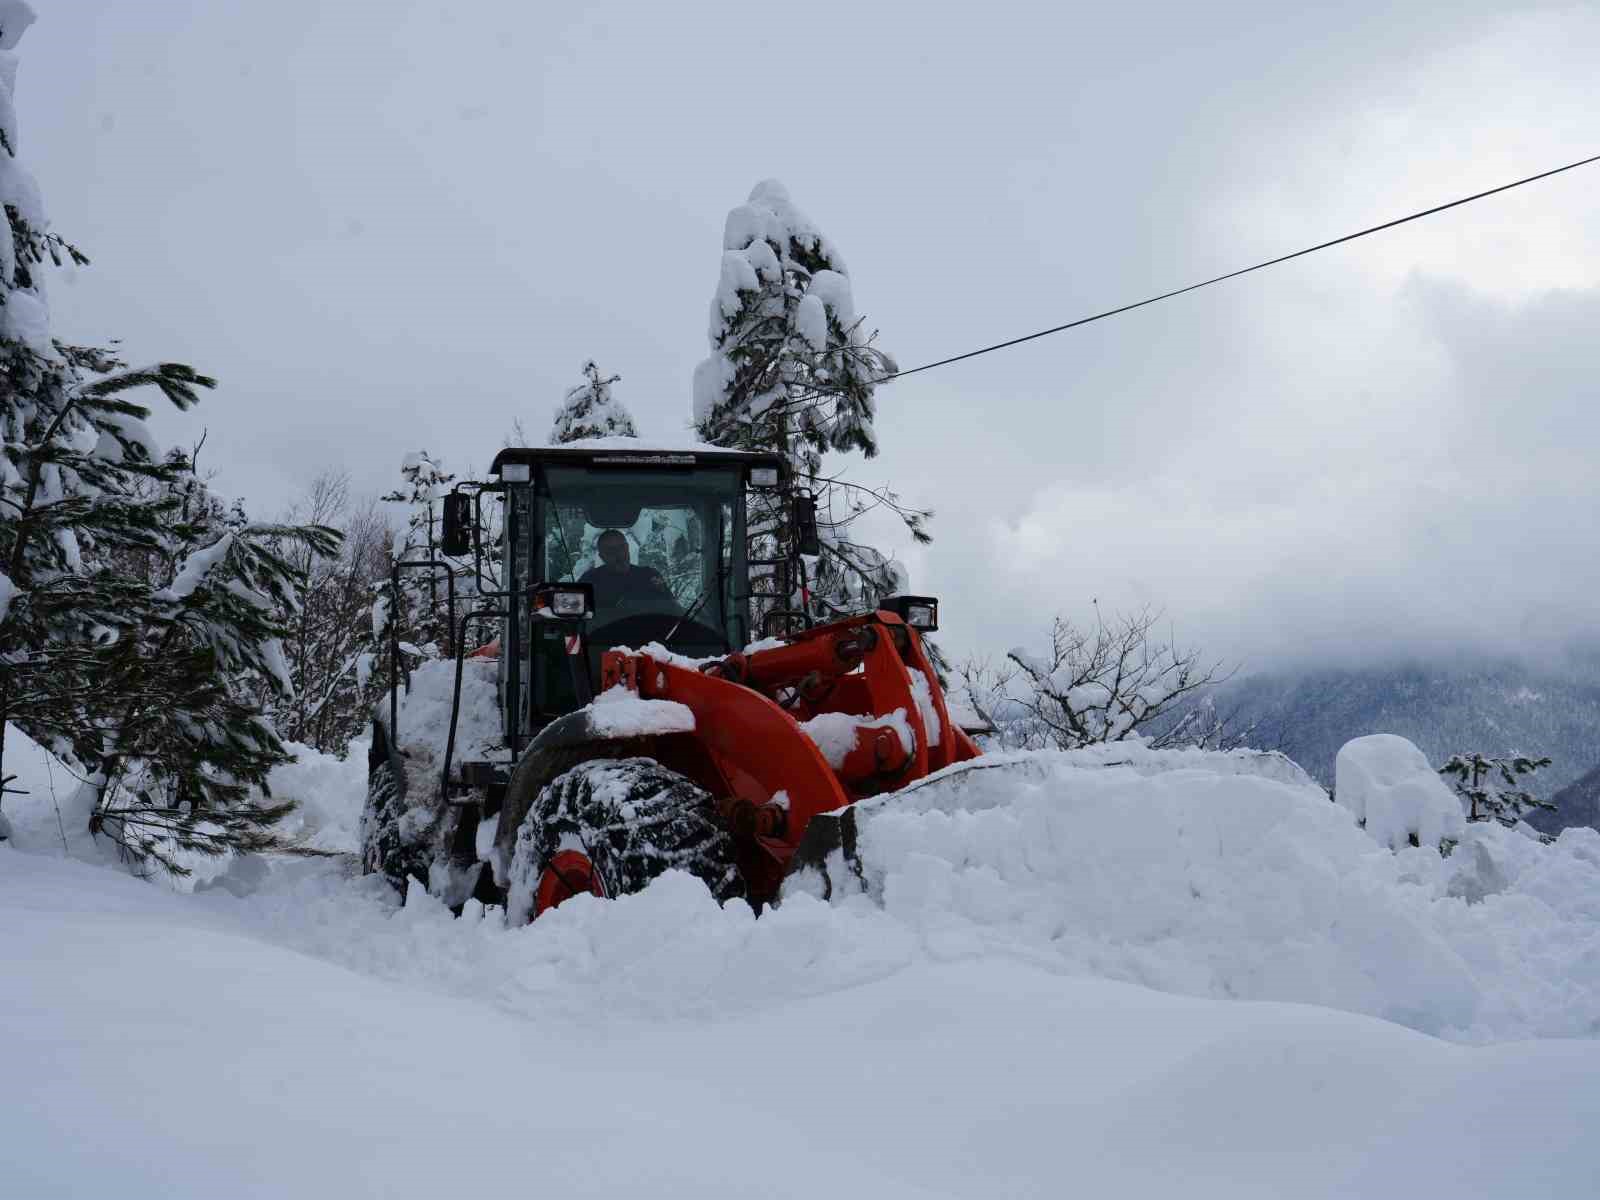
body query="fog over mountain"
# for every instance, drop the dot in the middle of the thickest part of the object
(1452, 704)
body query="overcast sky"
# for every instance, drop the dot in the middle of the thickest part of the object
(387, 226)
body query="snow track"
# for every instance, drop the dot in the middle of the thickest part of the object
(156, 1048)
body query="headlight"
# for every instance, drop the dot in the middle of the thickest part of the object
(763, 476)
(922, 616)
(514, 473)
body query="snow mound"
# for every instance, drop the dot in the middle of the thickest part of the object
(329, 793)
(967, 1079)
(1222, 876)
(1389, 786)
(1232, 875)
(1226, 876)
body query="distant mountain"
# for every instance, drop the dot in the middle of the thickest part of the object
(1576, 804)
(1493, 706)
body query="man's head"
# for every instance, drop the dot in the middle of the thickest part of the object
(614, 552)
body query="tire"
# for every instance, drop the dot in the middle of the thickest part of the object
(633, 819)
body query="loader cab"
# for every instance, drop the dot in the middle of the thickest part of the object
(659, 537)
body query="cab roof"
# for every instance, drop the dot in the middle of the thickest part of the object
(625, 451)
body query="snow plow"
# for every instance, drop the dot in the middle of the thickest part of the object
(646, 704)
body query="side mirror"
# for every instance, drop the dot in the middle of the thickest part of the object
(455, 538)
(804, 520)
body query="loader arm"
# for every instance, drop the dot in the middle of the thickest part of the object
(868, 681)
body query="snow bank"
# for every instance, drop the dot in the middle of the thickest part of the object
(1234, 876)
(330, 793)
(1389, 786)
(1227, 876)
(48, 815)
(1207, 874)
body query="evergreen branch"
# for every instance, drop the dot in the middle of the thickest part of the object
(177, 382)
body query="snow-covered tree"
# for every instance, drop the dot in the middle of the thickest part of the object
(75, 451)
(791, 365)
(135, 614)
(337, 675)
(589, 410)
(1114, 682)
(1492, 788)
(793, 368)
(182, 741)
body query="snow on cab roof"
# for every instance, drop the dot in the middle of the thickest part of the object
(684, 450)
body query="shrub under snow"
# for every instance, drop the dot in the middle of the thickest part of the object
(1387, 783)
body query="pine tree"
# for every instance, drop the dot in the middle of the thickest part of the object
(1491, 788)
(183, 741)
(589, 410)
(793, 369)
(75, 452)
(134, 618)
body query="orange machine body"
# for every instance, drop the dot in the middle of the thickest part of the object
(751, 748)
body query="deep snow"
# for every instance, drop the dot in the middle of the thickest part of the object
(976, 1028)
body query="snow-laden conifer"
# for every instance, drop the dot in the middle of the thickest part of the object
(791, 364)
(793, 368)
(182, 739)
(1492, 788)
(590, 410)
(131, 628)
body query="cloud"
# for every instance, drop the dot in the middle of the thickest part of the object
(1377, 446)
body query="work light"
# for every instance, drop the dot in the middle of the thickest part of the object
(566, 601)
(567, 604)
(919, 612)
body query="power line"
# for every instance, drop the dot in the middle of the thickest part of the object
(1349, 237)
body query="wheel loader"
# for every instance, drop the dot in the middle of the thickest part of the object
(665, 702)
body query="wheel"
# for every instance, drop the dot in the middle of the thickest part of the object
(610, 826)
(386, 848)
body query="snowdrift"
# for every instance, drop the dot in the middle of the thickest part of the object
(1218, 875)
(153, 1048)
(1233, 875)
(964, 1022)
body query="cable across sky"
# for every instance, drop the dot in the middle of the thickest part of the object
(1349, 237)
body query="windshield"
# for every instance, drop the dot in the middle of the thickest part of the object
(656, 546)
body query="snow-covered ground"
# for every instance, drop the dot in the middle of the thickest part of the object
(1122, 972)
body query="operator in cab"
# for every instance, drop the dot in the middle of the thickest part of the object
(618, 583)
